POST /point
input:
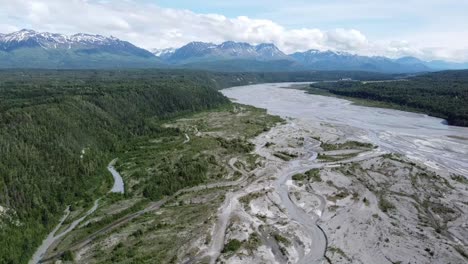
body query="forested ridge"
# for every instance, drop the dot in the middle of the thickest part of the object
(441, 94)
(48, 119)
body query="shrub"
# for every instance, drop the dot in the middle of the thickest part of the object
(232, 246)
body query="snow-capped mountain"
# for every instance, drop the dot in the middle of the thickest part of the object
(31, 49)
(79, 42)
(163, 53)
(333, 60)
(201, 51)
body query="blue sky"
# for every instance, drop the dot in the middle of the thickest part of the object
(374, 16)
(431, 29)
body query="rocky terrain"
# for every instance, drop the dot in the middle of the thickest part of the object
(309, 193)
(367, 206)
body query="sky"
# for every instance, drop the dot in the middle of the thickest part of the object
(427, 29)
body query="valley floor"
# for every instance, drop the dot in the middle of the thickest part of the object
(294, 192)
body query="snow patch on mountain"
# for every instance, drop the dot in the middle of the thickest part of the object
(163, 52)
(27, 38)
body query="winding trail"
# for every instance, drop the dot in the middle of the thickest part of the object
(118, 187)
(224, 214)
(52, 238)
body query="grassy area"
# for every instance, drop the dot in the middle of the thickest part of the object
(332, 158)
(285, 155)
(232, 246)
(311, 175)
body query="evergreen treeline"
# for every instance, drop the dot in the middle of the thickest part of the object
(441, 94)
(49, 118)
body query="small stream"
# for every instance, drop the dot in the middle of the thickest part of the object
(118, 181)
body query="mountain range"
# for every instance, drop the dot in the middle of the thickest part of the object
(31, 49)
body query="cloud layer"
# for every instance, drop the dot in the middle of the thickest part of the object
(151, 26)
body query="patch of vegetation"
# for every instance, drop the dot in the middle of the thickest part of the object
(261, 217)
(459, 178)
(299, 177)
(246, 199)
(332, 158)
(311, 175)
(346, 145)
(314, 175)
(67, 256)
(281, 239)
(337, 250)
(339, 196)
(232, 246)
(385, 205)
(236, 145)
(253, 242)
(285, 155)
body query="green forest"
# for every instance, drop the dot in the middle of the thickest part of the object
(441, 94)
(49, 118)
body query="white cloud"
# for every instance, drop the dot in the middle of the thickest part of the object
(151, 26)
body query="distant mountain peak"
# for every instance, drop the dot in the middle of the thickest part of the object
(409, 60)
(46, 38)
(162, 53)
(196, 51)
(266, 45)
(25, 30)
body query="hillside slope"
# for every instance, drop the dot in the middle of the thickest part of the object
(60, 129)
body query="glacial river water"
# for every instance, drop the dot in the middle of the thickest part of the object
(423, 138)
